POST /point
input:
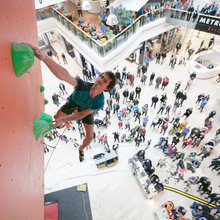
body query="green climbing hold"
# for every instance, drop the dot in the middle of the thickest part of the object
(44, 116)
(45, 101)
(22, 58)
(41, 128)
(42, 88)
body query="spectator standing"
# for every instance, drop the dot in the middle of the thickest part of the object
(218, 80)
(162, 107)
(190, 12)
(64, 58)
(176, 116)
(163, 98)
(138, 117)
(79, 8)
(163, 56)
(151, 78)
(109, 103)
(125, 94)
(158, 82)
(176, 87)
(74, 142)
(202, 105)
(164, 127)
(103, 28)
(165, 82)
(147, 61)
(178, 47)
(205, 151)
(195, 14)
(117, 96)
(145, 120)
(108, 112)
(112, 93)
(116, 136)
(49, 53)
(192, 76)
(138, 92)
(201, 44)
(118, 76)
(143, 80)
(62, 88)
(55, 98)
(173, 62)
(184, 132)
(154, 100)
(127, 124)
(63, 138)
(200, 97)
(116, 107)
(135, 110)
(131, 96)
(142, 133)
(103, 17)
(124, 73)
(211, 42)
(139, 70)
(85, 73)
(132, 78)
(188, 112)
(183, 98)
(188, 44)
(190, 53)
(168, 107)
(120, 124)
(158, 56)
(144, 69)
(145, 110)
(188, 84)
(186, 142)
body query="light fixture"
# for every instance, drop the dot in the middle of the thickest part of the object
(111, 19)
(86, 5)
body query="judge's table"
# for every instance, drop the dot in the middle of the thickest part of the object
(106, 159)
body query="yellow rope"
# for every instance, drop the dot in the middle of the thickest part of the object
(189, 196)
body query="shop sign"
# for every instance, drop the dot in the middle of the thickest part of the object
(208, 24)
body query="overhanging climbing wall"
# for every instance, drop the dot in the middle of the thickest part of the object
(21, 157)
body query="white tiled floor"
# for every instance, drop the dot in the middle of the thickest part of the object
(114, 192)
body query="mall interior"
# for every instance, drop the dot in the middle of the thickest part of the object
(148, 159)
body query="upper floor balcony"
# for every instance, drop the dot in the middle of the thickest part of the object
(106, 54)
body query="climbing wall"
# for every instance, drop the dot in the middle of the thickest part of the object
(21, 156)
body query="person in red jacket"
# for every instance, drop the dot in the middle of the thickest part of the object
(120, 124)
(165, 82)
(132, 78)
(187, 142)
(142, 133)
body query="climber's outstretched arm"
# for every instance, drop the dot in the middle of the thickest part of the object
(60, 72)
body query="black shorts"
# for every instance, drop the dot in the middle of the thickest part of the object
(68, 109)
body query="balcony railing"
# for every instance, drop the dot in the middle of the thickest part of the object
(115, 40)
(185, 15)
(101, 48)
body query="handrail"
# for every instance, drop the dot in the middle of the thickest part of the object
(123, 31)
(180, 10)
(96, 42)
(115, 41)
(76, 26)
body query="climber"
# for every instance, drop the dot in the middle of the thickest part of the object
(86, 98)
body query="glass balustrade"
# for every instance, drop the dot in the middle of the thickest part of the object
(113, 41)
(186, 16)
